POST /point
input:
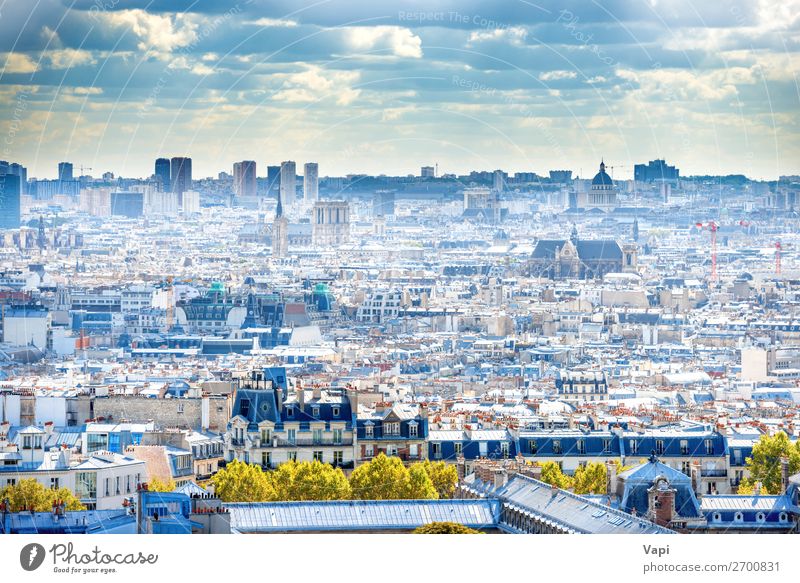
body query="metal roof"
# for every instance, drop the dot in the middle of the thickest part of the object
(351, 515)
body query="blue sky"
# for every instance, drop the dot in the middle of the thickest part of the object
(369, 86)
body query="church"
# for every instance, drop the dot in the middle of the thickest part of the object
(580, 258)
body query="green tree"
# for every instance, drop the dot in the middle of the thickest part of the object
(308, 481)
(590, 479)
(552, 474)
(765, 463)
(420, 486)
(241, 482)
(156, 485)
(28, 493)
(445, 528)
(444, 477)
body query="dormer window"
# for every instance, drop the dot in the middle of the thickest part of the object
(315, 411)
(413, 429)
(392, 428)
(290, 411)
(369, 430)
(335, 411)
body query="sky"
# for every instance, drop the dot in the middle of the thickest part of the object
(369, 86)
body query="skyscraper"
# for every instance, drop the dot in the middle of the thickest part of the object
(311, 182)
(9, 201)
(64, 171)
(273, 180)
(244, 178)
(22, 172)
(180, 177)
(288, 182)
(162, 174)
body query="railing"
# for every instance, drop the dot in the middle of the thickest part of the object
(713, 473)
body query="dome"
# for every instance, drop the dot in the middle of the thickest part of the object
(601, 178)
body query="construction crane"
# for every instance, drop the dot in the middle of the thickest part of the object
(778, 248)
(712, 226)
(82, 167)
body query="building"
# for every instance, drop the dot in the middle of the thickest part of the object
(180, 177)
(163, 175)
(602, 192)
(396, 430)
(10, 197)
(270, 425)
(273, 180)
(331, 223)
(27, 326)
(561, 176)
(311, 182)
(96, 201)
(581, 386)
(244, 179)
(427, 172)
(580, 259)
(64, 171)
(655, 171)
(16, 170)
(127, 204)
(280, 232)
(383, 203)
(499, 180)
(288, 182)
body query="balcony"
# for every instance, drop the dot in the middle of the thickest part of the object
(237, 442)
(308, 441)
(715, 473)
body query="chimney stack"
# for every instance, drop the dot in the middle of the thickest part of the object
(695, 474)
(784, 474)
(611, 478)
(499, 478)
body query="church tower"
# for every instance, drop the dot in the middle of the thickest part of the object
(280, 232)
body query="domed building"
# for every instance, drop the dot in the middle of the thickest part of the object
(602, 193)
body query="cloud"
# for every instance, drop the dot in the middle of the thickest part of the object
(17, 63)
(557, 75)
(398, 41)
(316, 84)
(514, 35)
(67, 58)
(273, 23)
(159, 32)
(686, 85)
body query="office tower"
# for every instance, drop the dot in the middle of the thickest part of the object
(64, 171)
(180, 177)
(331, 223)
(383, 203)
(288, 182)
(9, 201)
(311, 182)
(244, 178)
(655, 171)
(3, 167)
(127, 204)
(427, 172)
(17, 170)
(273, 180)
(280, 232)
(499, 180)
(162, 174)
(561, 176)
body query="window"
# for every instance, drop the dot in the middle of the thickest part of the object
(338, 457)
(458, 447)
(391, 428)
(291, 456)
(369, 451)
(266, 459)
(709, 447)
(738, 517)
(717, 517)
(54, 483)
(634, 446)
(760, 517)
(337, 436)
(317, 456)
(86, 485)
(391, 450)
(504, 447)
(684, 447)
(266, 437)
(335, 411)
(659, 446)
(606, 445)
(117, 485)
(557, 446)
(128, 484)
(180, 407)
(783, 517)
(737, 457)
(436, 449)
(290, 411)
(315, 411)
(581, 445)
(686, 468)
(412, 429)
(108, 486)
(369, 430)
(532, 447)
(291, 436)
(316, 436)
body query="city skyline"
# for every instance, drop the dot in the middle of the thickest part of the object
(388, 89)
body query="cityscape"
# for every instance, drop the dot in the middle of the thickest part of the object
(400, 330)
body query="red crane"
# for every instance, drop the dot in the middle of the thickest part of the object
(712, 226)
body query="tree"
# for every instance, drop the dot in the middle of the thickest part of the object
(241, 482)
(445, 528)
(308, 481)
(444, 477)
(386, 478)
(552, 474)
(156, 485)
(29, 493)
(765, 463)
(590, 479)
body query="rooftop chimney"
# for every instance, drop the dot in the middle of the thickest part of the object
(784, 474)
(611, 478)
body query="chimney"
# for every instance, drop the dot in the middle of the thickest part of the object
(301, 395)
(4, 427)
(461, 468)
(611, 478)
(553, 490)
(661, 507)
(317, 392)
(695, 474)
(48, 428)
(757, 489)
(499, 478)
(784, 474)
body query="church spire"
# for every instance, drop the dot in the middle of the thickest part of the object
(573, 237)
(279, 208)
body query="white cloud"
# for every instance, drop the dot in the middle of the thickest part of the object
(17, 63)
(398, 41)
(159, 32)
(315, 84)
(683, 85)
(514, 35)
(557, 75)
(68, 58)
(273, 23)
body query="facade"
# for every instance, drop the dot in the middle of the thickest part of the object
(581, 386)
(64, 171)
(580, 259)
(602, 193)
(288, 182)
(311, 182)
(427, 172)
(396, 430)
(655, 171)
(163, 175)
(127, 204)
(330, 223)
(10, 196)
